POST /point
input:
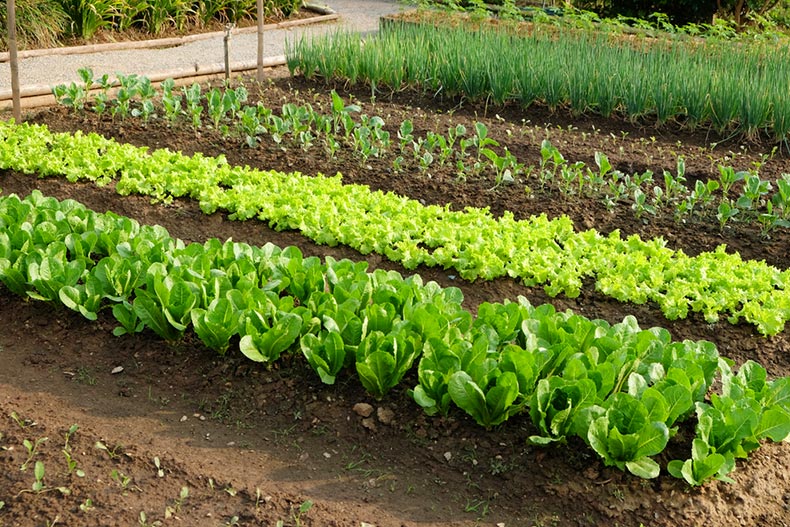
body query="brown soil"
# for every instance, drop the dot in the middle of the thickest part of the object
(253, 445)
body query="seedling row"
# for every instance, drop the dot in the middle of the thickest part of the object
(737, 195)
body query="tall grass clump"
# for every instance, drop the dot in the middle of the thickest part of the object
(48, 23)
(734, 87)
(39, 23)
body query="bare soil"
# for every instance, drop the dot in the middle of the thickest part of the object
(254, 445)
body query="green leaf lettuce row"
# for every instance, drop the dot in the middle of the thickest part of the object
(560, 407)
(216, 324)
(626, 436)
(383, 359)
(489, 404)
(264, 340)
(560, 364)
(326, 354)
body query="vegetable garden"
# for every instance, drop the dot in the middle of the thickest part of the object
(547, 232)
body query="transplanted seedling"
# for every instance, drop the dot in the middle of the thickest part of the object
(32, 450)
(172, 510)
(122, 479)
(160, 472)
(71, 463)
(39, 486)
(142, 520)
(114, 452)
(22, 423)
(303, 508)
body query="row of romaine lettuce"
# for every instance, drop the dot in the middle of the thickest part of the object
(475, 243)
(621, 389)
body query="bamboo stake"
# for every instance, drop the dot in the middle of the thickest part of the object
(259, 73)
(11, 19)
(226, 41)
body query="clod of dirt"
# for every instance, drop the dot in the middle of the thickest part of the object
(385, 415)
(591, 473)
(363, 409)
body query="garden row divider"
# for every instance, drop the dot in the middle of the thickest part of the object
(39, 95)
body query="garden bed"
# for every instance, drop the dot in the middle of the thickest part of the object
(225, 428)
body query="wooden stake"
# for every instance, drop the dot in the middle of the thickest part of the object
(11, 18)
(226, 41)
(259, 73)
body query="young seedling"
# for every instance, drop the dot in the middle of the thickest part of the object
(172, 510)
(71, 96)
(770, 220)
(21, 423)
(425, 161)
(39, 486)
(674, 186)
(703, 192)
(572, 178)
(160, 472)
(481, 139)
(551, 161)
(306, 138)
(258, 497)
(142, 520)
(194, 106)
(341, 114)
(147, 93)
(32, 450)
(754, 190)
(38, 472)
(71, 465)
(781, 199)
(171, 103)
(727, 178)
(102, 99)
(129, 88)
(114, 453)
(121, 479)
(302, 510)
(405, 135)
(69, 434)
(453, 134)
(506, 167)
(216, 110)
(725, 213)
(397, 164)
(640, 205)
(86, 75)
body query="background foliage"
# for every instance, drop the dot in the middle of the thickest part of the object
(47, 23)
(684, 11)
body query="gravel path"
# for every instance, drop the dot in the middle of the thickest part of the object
(354, 15)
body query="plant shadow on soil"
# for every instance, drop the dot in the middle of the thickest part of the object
(254, 445)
